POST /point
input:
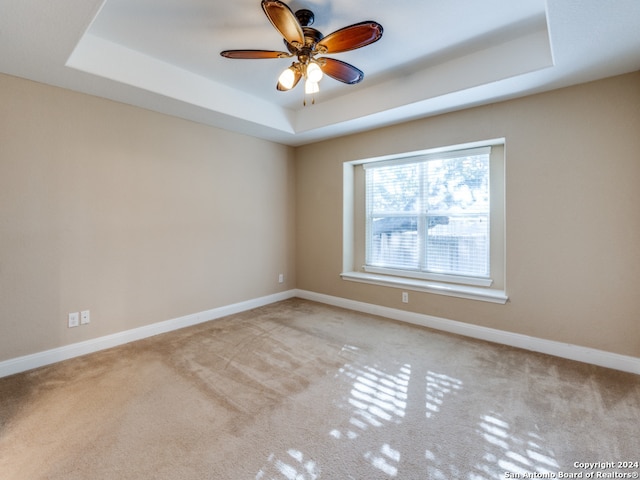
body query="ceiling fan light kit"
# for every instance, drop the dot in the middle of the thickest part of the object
(305, 43)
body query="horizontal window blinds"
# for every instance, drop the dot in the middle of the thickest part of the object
(430, 213)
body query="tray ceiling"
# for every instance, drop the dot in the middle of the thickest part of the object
(433, 57)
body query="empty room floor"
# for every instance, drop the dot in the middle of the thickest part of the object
(299, 390)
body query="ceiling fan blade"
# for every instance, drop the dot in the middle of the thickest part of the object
(284, 20)
(351, 37)
(341, 71)
(252, 54)
(296, 78)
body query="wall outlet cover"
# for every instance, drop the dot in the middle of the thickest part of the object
(74, 319)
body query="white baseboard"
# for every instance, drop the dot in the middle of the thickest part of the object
(40, 359)
(550, 347)
(558, 349)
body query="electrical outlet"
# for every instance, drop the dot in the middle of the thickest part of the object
(405, 297)
(85, 317)
(74, 319)
(281, 278)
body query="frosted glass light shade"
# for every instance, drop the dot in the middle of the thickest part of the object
(314, 73)
(311, 87)
(286, 78)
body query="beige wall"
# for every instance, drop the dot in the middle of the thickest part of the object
(136, 216)
(572, 213)
(141, 217)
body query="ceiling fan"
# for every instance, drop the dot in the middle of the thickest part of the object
(306, 43)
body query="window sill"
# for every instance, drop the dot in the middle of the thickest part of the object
(461, 291)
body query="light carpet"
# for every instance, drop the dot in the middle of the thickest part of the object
(299, 390)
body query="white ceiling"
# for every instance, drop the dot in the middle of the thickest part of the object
(434, 56)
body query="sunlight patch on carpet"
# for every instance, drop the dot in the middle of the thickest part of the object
(439, 386)
(386, 460)
(293, 466)
(510, 452)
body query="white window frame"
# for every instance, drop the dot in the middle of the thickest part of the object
(476, 288)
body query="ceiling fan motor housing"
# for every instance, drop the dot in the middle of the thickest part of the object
(311, 38)
(311, 35)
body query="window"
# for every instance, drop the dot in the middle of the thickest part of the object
(429, 221)
(429, 215)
